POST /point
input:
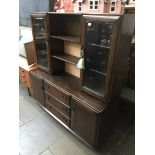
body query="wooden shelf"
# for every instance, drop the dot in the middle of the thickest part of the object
(67, 58)
(99, 72)
(67, 38)
(107, 47)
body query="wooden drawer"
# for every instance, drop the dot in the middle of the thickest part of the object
(24, 77)
(58, 114)
(57, 104)
(60, 95)
(25, 82)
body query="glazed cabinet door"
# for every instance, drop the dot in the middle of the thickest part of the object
(39, 25)
(85, 122)
(37, 87)
(41, 39)
(97, 47)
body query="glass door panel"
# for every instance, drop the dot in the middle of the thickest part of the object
(96, 55)
(94, 81)
(41, 49)
(39, 27)
(99, 33)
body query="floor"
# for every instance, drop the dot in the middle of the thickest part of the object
(41, 134)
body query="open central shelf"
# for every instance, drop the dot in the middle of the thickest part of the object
(67, 38)
(67, 58)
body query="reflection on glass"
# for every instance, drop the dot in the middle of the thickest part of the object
(96, 55)
(96, 58)
(94, 81)
(99, 33)
(42, 54)
(39, 28)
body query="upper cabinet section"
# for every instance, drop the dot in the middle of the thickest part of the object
(99, 32)
(65, 26)
(39, 24)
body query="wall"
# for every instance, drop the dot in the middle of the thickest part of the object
(28, 6)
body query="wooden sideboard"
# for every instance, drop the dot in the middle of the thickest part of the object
(82, 67)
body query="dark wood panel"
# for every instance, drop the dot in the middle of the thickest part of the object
(37, 87)
(84, 122)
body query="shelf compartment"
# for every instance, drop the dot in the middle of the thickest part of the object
(67, 38)
(67, 58)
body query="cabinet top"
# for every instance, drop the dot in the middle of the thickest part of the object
(71, 13)
(23, 64)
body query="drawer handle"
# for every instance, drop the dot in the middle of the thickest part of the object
(22, 70)
(22, 75)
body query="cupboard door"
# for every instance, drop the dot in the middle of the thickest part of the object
(96, 54)
(84, 122)
(37, 87)
(39, 25)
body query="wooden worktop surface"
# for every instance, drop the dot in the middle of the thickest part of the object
(23, 64)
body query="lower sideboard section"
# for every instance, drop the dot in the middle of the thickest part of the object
(58, 114)
(86, 117)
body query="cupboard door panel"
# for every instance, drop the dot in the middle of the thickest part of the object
(37, 87)
(84, 122)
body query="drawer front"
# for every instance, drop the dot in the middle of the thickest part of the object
(24, 73)
(24, 77)
(57, 104)
(62, 96)
(60, 116)
(25, 82)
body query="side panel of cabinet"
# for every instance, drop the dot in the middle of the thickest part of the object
(37, 87)
(85, 122)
